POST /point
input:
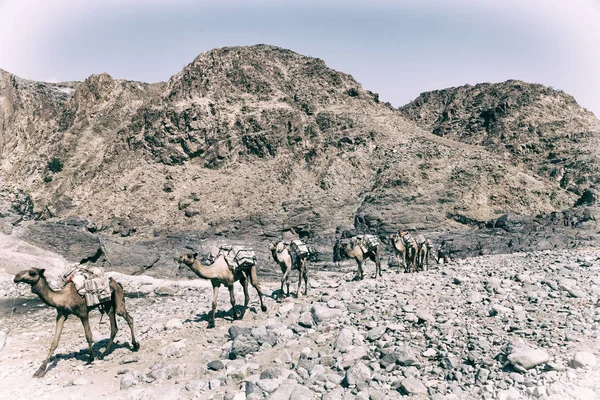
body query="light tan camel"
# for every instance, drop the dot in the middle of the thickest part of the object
(407, 250)
(345, 248)
(424, 248)
(284, 259)
(399, 250)
(219, 273)
(67, 301)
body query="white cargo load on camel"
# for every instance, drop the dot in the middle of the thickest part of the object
(367, 242)
(91, 283)
(238, 256)
(299, 248)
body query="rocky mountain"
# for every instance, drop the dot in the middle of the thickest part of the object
(543, 128)
(253, 143)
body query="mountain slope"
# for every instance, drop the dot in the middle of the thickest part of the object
(252, 143)
(541, 127)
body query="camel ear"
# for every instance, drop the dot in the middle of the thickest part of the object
(42, 271)
(195, 255)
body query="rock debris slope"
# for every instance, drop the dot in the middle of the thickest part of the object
(520, 326)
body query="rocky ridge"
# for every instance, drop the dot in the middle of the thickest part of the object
(543, 128)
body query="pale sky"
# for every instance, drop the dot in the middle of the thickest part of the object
(397, 48)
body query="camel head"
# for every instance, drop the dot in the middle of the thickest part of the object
(30, 276)
(272, 246)
(340, 249)
(188, 259)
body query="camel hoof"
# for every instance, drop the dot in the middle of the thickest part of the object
(40, 372)
(263, 308)
(211, 325)
(136, 346)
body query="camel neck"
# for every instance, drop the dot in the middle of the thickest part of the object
(203, 271)
(45, 292)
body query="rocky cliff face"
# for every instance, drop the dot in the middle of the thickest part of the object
(251, 143)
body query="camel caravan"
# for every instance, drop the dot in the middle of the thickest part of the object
(88, 288)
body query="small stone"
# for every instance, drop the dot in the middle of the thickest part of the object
(412, 386)
(376, 333)
(196, 386)
(424, 316)
(583, 359)
(524, 359)
(430, 353)
(268, 385)
(306, 320)
(214, 384)
(323, 313)
(576, 292)
(128, 380)
(358, 373)
(235, 331)
(344, 338)
(174, 324)
(216, 365)
(243, 345)
(165, 291)
(474, 297)
(482, 375)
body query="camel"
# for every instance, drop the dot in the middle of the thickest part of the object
(351, 249)
(407, 248)
(284, 259)
(399, 250)
(424, 247)
(68, 301)
(219, 273)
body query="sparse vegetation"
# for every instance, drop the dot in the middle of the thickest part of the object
(353, 92)
(55, 165)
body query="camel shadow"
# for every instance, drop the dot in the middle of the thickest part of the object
(84, 355)
(226, 315)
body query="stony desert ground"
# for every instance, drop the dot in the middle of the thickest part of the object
(516, 326)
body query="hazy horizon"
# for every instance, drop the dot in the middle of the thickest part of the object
(397, 49)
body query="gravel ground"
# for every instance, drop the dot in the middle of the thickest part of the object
(495, 327)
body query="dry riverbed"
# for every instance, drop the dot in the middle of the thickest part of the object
(494, 327)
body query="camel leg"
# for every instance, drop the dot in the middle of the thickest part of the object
(305, 276)
(211, 323)
(129, 319)
(284, 279)
(377, 264)
(113, 330)
(254, 282)
(244, 282)
(60, 321)
(88, 336)
(300, 269)
(360, 269)
(118, 308)
(232, 300)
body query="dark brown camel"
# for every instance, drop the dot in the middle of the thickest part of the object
(219, 274)
(67, 301)
(346, 248)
